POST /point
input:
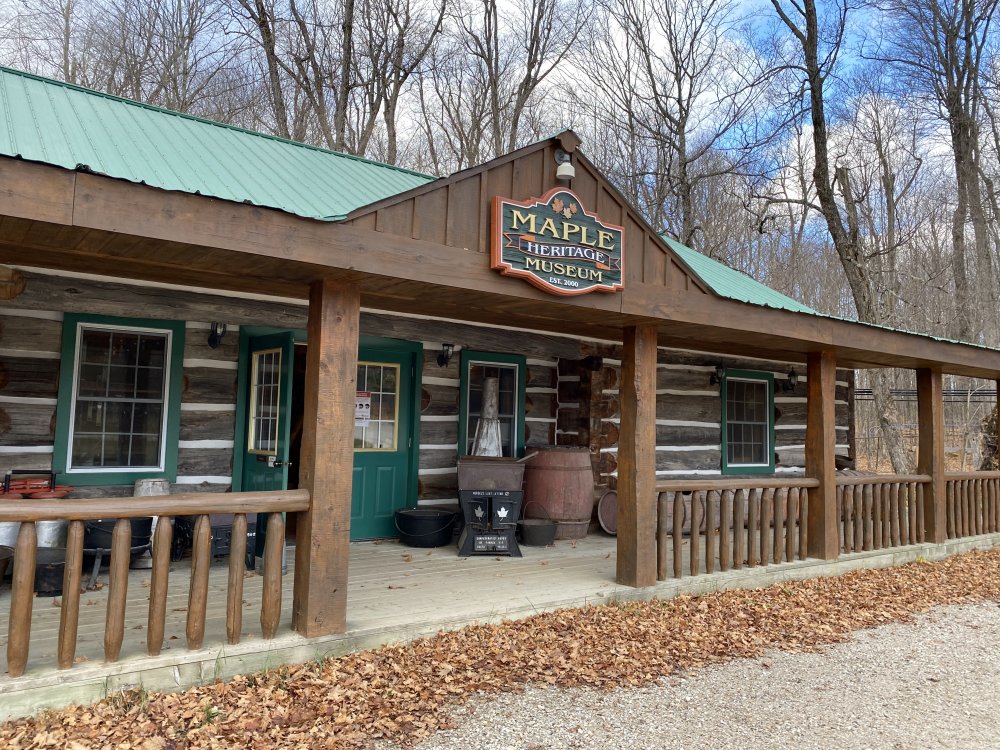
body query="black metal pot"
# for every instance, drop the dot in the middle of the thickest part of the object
(6, 558)
(97, 536)
(537, 532)
(425, 527)
(50, 563)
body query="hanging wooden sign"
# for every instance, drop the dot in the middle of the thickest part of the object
(555, 244)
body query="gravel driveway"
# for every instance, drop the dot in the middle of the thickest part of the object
(934, 683)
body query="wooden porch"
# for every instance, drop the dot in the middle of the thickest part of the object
(396, 593)
(391, 588)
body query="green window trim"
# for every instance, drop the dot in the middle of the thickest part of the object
(752, 375)
(72, 324)
(469, 356)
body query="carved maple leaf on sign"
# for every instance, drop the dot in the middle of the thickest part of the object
(502, 513)
(479, 512)
(557, 205)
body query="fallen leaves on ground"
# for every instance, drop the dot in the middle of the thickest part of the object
(404, 692)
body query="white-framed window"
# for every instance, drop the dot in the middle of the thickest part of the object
(510, 372)
(118, 412)
(748, 422)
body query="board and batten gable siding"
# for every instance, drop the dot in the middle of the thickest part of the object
(456, 211)
(30, 357)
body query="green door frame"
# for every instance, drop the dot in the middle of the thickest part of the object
(369, 343)
(242, 384)
(415, 350)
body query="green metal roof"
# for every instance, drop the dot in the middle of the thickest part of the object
(56, 123)
(731, 284)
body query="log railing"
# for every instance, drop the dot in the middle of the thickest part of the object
(730, 524)
(166, 507)
(972, 503)
(881, 511)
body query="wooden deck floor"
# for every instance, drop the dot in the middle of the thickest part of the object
(390, 586)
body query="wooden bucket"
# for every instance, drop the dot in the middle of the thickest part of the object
(559, 485)
(149, 488)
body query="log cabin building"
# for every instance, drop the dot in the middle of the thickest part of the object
(188, 300)
(199, 412)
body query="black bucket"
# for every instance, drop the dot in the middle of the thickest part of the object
(537, 532)
(97, 536)
(50, 563)
(6, 558)
(425, 527)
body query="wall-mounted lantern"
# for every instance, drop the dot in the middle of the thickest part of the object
(444, 357)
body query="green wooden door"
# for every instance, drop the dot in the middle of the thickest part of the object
(268, 410)
(384, 441)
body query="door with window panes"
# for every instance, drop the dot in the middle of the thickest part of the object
(269, 402)
(383, 440)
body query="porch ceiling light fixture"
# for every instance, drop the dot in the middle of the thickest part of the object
(716, 377)
(215, 334)
(793, 380)
(565, 171)
(445, 355)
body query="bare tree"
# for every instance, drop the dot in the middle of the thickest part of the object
(455, 111)
(479, 92)
(306, 48)
(675, 86)
(818, 41)
(165, 52)
(939, 47)
(397, 37)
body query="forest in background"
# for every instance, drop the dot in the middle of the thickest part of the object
(845, 152)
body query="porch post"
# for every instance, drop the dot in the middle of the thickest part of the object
(637, 460)
(996, 423)
(319, 603)
(930, 455)
(821, 445)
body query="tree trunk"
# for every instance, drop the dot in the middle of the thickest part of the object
(344, 84)
(888, 422)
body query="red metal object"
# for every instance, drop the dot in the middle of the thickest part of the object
(37, 485)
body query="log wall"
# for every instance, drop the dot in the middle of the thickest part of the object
(689, 413)
(568, 401)
(30, 342)
(440, 393)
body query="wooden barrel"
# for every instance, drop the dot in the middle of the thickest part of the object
(559, 485)
(607, 511)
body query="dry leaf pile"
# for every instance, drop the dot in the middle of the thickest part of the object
(404, 692)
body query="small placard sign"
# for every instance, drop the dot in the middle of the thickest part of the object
(491, 543)
(362, 409)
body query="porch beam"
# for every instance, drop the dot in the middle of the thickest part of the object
(636, 562)
(821, 446)
(97, 224)
(319, 600)
(930, 451)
